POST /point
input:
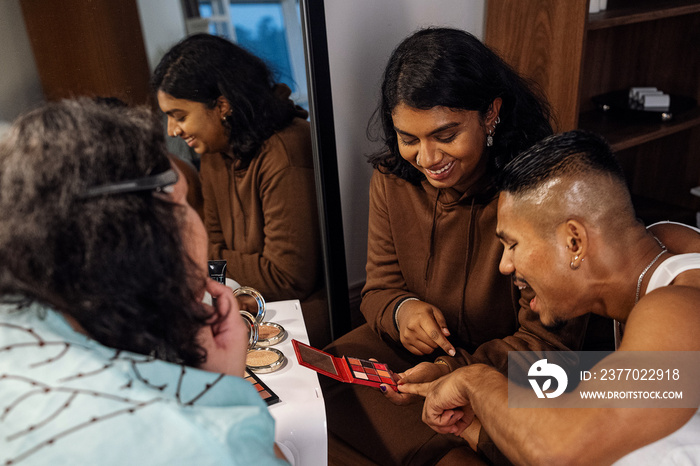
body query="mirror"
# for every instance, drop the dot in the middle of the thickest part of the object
(107, 49)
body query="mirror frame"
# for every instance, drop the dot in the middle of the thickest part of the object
(313, 24)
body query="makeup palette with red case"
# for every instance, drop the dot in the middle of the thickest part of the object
(345, 369)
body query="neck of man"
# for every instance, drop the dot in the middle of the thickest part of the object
(623, 261)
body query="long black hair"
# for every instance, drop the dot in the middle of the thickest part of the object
(203, 67)
(451, 68)
(115, 263)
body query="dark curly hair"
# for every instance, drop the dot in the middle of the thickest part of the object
(203, 67)
(451, 68)
(115, 263)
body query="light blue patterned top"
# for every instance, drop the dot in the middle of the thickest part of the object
(66, 399)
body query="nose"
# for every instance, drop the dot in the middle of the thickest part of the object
(506, 265)
(173, 128)
(428, 154)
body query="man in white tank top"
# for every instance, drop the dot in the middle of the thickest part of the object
(569, 230)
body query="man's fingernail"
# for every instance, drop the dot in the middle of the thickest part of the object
(452, 352)
(446, 331)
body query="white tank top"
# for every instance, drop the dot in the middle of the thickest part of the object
(683, 446)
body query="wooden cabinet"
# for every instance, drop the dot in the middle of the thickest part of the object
(574, 55)
(90, 48)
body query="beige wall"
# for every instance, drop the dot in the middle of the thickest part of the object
(20, 87)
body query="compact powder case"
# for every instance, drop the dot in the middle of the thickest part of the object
(265, 360)
(270, 333)
(250, 298)
(252, 326)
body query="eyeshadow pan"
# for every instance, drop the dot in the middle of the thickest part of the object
(383, 374)
(361, 375)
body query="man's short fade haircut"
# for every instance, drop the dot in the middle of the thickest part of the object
(561, 154)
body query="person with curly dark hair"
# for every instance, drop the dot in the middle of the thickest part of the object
(452, 114)
(104, 331)
(256, 169)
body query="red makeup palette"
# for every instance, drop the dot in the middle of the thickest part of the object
(345, 369)
(264, 391)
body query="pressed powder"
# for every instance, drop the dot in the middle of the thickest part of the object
(263, 360)
(270, 333)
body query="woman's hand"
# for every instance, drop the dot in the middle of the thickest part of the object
(422, 373)
(225, 341)
(423, 328)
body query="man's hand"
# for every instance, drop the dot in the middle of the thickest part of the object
(423, 328)
(422, 373)
(446, 409)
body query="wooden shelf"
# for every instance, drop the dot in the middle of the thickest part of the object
(623, 134)
(574, 56)
(652, 211)
(641, 11)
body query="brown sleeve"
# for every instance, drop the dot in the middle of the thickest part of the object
(385, 286)
(213, 173)
(289, 263)
(194, 185)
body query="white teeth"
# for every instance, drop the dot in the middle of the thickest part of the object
(521, 287)
(443, 169)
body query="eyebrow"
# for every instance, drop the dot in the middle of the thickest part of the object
(502, 236)
(435, 131)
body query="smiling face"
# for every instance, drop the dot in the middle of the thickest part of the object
(539, 260)
(199, 126)
(446, 145)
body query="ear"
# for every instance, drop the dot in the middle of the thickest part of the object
(574, 236)
(493, 111)
(223, 106)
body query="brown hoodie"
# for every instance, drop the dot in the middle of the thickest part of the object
(263, 221)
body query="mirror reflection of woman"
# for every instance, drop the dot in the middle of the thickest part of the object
(256, 169)
(109, 356)
(451, 114)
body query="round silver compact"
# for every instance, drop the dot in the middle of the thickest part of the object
(270, 333)
(252, 301)
(252, 326)
(264, 360)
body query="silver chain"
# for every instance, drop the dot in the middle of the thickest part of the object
(651, 264)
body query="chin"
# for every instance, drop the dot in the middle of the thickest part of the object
(553, 323)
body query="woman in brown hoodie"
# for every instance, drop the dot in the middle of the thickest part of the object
(256, 169)
(452, 113)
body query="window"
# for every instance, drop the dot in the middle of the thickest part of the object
(270, 29)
